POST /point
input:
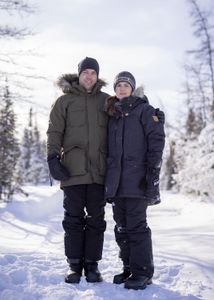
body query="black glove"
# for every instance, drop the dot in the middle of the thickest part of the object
(152, 194)
(57, 170)
(160, 114)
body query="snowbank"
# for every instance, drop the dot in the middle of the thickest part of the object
(32, 262)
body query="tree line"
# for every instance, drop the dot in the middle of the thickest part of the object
(189, 161)
(21, 161)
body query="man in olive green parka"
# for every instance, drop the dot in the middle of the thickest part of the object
(76, 156)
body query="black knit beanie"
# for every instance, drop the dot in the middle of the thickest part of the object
(88, 63)
(125, 77)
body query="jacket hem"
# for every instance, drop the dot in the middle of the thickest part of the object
(81, 180)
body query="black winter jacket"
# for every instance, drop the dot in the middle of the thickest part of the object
(135, 143)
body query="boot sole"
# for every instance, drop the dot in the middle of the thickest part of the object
(72, 282)
(120, 281)
(139, 287)
(94, 281)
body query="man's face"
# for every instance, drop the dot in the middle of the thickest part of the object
(88, 78)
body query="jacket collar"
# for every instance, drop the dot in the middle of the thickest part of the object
(69, 83)
(117, 108)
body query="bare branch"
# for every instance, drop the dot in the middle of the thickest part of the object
(205, 52)
(17, 5)
(13, 32)
(24, 75)
(20, 71)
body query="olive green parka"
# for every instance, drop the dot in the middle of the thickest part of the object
(78, 130)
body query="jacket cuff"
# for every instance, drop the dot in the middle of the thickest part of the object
(52, 156)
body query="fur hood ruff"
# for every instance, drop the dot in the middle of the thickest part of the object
(70, 83)
(112, 100)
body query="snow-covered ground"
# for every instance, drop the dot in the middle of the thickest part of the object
(32, 262)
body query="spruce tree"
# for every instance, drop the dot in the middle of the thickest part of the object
(26, 151)
(39, 170)
(33, 166)
(9, 146)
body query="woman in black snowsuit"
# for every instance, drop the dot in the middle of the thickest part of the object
(135, 146)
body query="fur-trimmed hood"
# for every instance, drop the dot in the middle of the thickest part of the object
(69, 83)
(113, 104)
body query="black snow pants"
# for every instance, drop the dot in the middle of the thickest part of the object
(83, 222)
(133, 235)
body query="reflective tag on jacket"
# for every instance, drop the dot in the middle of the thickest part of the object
(155, 118)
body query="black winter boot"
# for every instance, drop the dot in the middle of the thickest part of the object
(92, 272)
(137, 282)
(122, 277)
(75, 271)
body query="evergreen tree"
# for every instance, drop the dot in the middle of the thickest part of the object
(39, 170)
(33, 165)
(9, 147)
(195, 162)
(26, 151)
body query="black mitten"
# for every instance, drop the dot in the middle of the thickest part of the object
(57, 170)
(160, 114)
(152, 186)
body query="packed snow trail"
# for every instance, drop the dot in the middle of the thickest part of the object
(32, 262)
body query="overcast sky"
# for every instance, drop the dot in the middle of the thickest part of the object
(147, 38)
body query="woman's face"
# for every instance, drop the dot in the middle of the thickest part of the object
(123, 89)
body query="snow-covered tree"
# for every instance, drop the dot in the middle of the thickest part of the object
(9, 147)
(195, 162)
(191, 159)
(26, 151)
(33, 166)
(199, 68)
(39, 169)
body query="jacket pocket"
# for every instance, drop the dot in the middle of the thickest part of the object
(135, 162)
(74, 159)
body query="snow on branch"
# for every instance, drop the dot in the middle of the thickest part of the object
(16, 6)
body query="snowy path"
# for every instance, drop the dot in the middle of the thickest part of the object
(32, 260)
